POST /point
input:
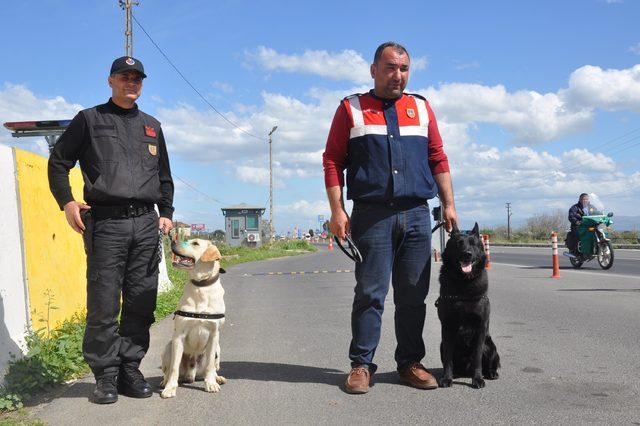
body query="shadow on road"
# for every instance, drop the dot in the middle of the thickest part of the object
(276, 372)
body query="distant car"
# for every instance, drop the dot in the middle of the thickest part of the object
(282, 238)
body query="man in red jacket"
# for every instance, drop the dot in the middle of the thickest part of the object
(388, 142)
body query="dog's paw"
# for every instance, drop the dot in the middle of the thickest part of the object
(477, 383)
(445, 382)
(212, 386)
(492, 375)
(221, 380)
(169, 392)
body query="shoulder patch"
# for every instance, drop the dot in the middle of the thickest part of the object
(415, 95)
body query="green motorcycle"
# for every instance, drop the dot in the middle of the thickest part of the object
(594, 242)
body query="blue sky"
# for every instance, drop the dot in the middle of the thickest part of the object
(526, 93)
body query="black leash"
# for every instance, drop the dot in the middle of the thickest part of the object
(354, 253)
(198, 316)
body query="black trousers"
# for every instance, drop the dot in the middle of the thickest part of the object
(121, 263)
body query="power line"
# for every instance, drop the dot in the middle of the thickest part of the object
(191, 85)
(215, 200)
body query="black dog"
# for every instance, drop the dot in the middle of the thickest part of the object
(463, 308)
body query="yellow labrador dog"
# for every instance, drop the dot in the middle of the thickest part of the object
(194, 350)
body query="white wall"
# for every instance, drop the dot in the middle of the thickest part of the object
(13, 299)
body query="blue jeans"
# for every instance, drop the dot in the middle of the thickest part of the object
(395, 244)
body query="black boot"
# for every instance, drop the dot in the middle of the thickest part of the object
(131, 382)
(106, 392)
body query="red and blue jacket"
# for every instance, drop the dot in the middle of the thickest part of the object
(390, 149)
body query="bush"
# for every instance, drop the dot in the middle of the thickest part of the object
(53, 357)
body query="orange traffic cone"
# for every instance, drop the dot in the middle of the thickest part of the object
(554, 251)
(487, 250)
(330, 244)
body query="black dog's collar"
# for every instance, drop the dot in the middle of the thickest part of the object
(455, 298)
(198, 316)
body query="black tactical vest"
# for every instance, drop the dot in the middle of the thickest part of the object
(120, 165)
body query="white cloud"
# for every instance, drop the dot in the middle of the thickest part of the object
(18, 103)
(467, 65)
(223, 87)
(612, 89)
(530, 116)
(345, 65)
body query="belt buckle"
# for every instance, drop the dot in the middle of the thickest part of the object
(131, 210)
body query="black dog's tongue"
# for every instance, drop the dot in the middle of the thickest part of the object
(466, 267)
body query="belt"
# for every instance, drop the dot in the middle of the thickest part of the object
(121, 212)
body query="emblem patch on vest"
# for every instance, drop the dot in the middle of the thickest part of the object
(411, 113)
(150, 131)
(153, 150)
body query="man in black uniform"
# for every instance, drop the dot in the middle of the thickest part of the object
(124, 164)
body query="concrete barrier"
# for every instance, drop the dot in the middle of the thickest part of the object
(14, 310)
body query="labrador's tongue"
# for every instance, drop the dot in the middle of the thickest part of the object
(466, 267)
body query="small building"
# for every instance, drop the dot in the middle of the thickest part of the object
(243, 225)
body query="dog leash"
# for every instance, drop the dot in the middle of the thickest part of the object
(197, 316)
(355, 253)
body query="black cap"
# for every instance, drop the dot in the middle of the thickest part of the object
(127, 63)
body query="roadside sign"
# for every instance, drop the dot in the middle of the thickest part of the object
(320, 218)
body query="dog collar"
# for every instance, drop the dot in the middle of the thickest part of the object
(198, 316)
(207, 282)
(455, 298)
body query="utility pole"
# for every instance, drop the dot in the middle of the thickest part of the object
(271, 228)
(128, 29)
(509, 213)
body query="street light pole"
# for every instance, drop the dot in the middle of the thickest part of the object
(271, 186)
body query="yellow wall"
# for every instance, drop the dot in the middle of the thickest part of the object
(54, 253)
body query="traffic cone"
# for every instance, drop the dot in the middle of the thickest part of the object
(554, 251)
(330, 244)
(487, 250)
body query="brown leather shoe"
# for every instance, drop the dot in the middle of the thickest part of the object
(358, 380)
(416, 375)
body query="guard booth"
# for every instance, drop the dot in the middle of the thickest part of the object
(243, 225)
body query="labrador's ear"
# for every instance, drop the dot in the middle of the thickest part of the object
(454, 230)
(476, 230)
(222, 271)
(211, 254)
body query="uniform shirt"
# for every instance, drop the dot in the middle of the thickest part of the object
(122, 155)
(390, 148)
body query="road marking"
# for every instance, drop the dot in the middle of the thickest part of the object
(579, 271)
(337, 271)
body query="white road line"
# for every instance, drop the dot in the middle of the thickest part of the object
(562, 271)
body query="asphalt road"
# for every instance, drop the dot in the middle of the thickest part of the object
(626, 262)
(569, 348)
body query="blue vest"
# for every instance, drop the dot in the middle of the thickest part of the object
(388, 150)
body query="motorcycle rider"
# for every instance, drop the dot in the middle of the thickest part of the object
(581, 208)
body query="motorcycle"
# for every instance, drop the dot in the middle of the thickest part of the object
(593, 239)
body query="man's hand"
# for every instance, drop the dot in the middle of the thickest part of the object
(450, 217)
(165, 225)
(72, 213)
(339, 224)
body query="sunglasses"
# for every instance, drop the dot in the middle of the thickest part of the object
(353, 253)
